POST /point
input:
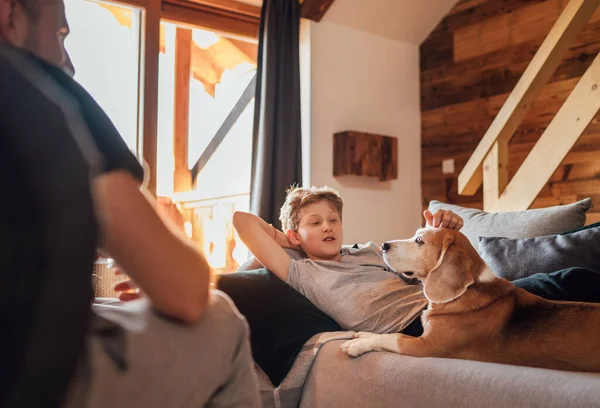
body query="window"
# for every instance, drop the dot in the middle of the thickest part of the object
(104, 46)
(219, 80)
(196, 120)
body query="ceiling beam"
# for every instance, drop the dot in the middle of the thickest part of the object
(315, 9)
(221, 20)
(232, 6)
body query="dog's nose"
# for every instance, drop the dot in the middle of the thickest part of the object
(385, 246)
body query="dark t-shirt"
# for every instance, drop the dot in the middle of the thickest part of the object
(115, 153)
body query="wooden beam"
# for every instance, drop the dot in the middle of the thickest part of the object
(537, 74)
(182, 178)
(148, 89)
(563, 132)
(231, 6)
(315, 9)
(226, 126)
(495, 175)
(211, 18)
(248, 48)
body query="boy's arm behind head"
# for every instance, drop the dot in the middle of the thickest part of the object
(261, 240)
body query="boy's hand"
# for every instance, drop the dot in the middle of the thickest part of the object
(443, 219)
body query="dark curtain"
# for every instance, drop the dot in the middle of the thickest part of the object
(277, 140)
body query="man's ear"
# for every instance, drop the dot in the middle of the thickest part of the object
(451, 276)
(293, 237)
(14, 24)
(5, 18)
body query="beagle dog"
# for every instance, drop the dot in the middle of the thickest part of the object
(474, 315)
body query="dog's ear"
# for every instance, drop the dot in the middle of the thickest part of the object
(451, 275)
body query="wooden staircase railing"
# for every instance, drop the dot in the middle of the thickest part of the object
(489, 162)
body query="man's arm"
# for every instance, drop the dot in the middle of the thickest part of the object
(265, 242)
(163, 263)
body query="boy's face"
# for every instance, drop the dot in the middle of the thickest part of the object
(320, 232)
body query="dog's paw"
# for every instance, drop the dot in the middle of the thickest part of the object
(356, 347)
(364, 335)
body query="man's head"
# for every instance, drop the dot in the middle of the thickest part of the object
(312, 218)
(39, 26)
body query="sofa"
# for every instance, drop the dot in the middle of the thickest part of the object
(391, 380)
(296, 346)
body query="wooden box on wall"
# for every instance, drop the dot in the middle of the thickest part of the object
(365, 154)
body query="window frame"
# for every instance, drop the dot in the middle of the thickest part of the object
(228, 17)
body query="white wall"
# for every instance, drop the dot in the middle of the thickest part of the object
(362, 82)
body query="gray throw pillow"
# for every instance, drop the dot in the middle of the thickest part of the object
(518, 224)
(518, 258)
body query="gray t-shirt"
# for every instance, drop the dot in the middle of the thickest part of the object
(360, 292)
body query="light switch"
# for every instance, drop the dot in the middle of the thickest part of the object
(448, 166)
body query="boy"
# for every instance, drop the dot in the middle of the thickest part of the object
(352, 285)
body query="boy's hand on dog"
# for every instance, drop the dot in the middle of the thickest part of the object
(443, 219)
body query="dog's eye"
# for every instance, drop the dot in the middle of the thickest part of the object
(419, 241)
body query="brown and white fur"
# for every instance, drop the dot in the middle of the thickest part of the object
(474, 315)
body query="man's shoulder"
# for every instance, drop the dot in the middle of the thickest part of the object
(34, 89)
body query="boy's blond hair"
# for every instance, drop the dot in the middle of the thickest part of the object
(299, 197)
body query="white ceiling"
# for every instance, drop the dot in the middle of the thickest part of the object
(401, 20)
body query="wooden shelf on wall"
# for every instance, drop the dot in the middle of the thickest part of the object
(365, 154)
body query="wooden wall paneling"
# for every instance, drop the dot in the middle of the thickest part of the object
(583, 171)
(534, 21)
(576, 187)
(482, 38)
(459, 100)
(498, 72)
(543, 202)
(518, 26)
(485, 109)
(592, 218)
(466, 5)
(545, 62)
(464, 15)
(437, 51)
